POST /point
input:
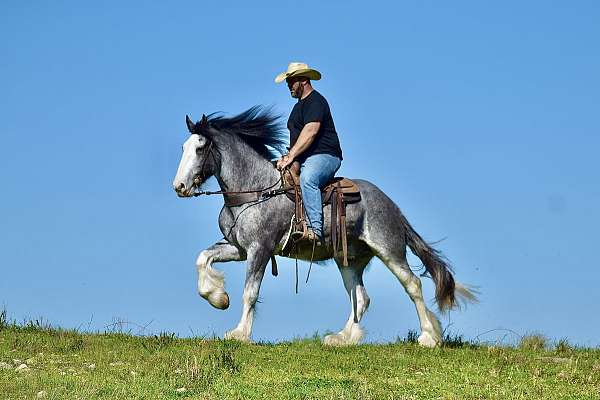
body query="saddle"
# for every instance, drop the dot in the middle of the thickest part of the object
(338, 192)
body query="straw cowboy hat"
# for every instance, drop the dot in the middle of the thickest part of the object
(298, 69)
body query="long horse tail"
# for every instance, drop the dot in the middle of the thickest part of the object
(446, 289)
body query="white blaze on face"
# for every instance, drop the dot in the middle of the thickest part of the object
(188, 163)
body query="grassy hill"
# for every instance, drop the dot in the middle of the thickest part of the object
(41, 362)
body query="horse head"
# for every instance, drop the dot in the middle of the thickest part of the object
(198, 161)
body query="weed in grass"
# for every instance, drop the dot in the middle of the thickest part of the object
(314, 338)
(203, 371)
(306, 388)
(226, 358)
(453, 342)
(411, 337)
(533, 342)
(449, 340)
(3, 320)
(36, 325)
(122, 326)
(564, 347)
(15, 343)
(71, 344)
(200, 374)
(159, 342)
(457, 341)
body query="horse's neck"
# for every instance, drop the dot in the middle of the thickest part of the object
(244, 169)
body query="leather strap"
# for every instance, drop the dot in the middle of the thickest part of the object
(339, 236)
(342, 228)
(334, 221)
(237, 199)
(274, 266)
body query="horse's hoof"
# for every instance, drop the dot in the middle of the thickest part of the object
(346, 337)
(237, 335)
(219, 300)
(335, 339)
(427, 340)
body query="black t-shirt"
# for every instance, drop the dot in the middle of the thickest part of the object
(314, 108)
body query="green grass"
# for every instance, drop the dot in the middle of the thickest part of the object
(64, 364)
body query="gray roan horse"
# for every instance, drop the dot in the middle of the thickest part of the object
(238, 151)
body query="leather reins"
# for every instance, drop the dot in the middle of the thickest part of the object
(239, 197)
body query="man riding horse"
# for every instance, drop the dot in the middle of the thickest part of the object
(314, 144)
(256, 214)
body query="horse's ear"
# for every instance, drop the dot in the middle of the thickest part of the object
(190, 124)
(204, 122)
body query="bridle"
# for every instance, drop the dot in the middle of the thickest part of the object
(257, 196)
(254, 197)
(208, 151)
(236, 198)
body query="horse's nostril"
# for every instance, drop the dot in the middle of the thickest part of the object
(180, 187)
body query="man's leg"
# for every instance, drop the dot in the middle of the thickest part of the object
(316, 171)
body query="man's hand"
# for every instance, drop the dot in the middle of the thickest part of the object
(284, 161)
(307, 136)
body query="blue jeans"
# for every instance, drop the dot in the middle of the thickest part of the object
(315, 172)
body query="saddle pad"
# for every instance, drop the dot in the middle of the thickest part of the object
(346, 186)
(350, 190)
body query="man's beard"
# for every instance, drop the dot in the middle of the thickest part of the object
(297, 93)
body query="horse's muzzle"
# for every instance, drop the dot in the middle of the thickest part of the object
(181, 190)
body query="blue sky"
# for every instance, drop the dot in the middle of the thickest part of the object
(479, 120)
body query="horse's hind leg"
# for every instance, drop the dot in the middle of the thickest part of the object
(359, 302)
(395, 260)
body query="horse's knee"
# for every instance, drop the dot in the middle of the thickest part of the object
(203, 259)
(362, 299)
(250, 295)
(412, 284)
(414, 287)
(250, 298)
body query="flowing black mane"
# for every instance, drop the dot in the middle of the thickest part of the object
(257, 126)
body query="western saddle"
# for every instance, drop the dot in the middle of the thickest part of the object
(338, 192)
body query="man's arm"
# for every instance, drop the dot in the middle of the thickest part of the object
(307, 136)
(305, 139)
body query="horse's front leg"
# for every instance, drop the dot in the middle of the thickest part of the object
(257, 261)
(211, 283)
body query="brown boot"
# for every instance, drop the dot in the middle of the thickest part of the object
(311, 236)
(298, 235)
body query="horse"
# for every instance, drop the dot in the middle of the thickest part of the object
(238, 151)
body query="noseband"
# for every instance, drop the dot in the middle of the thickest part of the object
(208, 151)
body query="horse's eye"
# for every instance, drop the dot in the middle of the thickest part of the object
(198, 150)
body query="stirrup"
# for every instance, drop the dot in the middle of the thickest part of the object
(298, 235)
(300, 230)
(308, 235)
